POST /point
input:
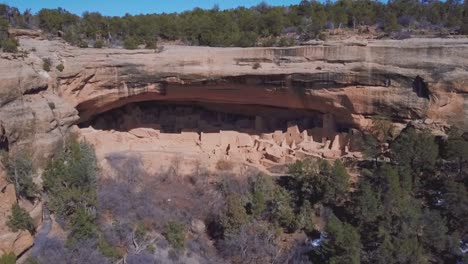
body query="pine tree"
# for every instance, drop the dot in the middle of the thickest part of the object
(464, 26)
(20, 220)
(342, 244)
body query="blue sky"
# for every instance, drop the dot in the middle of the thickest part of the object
(120, 7)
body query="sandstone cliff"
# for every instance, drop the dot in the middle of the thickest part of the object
(410, 79)
(343, 83)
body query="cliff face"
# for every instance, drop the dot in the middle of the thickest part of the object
(33, 118)
(410, 79)
(324, 89)
(404, 79)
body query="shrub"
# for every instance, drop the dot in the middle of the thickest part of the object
(60, 67)
(151, 248)
(282, 212)
(130, 43)
(263, 188)
(269, 42)
(70, 182)
(82, 43)
(322, 36)
(256, 65)
(286, 42)
(175, 234)
(19, 172)
(20, 220)
(224, 165)
(9, 45)
(9, 258)
(235, 215)
(46, 64)
(141, 231)
(108, 250)
(252, 243)
(151, 44)
(51, 105)
(98, 44)
(82, 224)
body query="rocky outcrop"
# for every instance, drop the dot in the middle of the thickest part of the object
(33, 118)
(16, 242)
(326, 89)
(408, 79)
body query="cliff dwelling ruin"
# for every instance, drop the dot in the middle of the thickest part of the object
(213, 131)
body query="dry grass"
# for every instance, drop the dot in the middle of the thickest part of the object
(224, 165)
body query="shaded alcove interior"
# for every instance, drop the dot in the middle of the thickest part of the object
(190, 116)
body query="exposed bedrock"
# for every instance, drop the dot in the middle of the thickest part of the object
(409, 79)
(412, 79)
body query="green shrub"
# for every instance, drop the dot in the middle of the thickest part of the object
(70, 182)
(305, 217)
(60, 67)
(151, 44)
(9, 258)
(263, 188)
(286, 42)
(99, 44)
(82, 43)
(322, 36)
(20, 220)
(175, 234)
(269, 42)
(141, 231)
(46, 64)
(235, 214)
(20, 171)
(9, 45)
(282, 212)
(151, 248)
(130, 43)
(82, 224)
(108, 250)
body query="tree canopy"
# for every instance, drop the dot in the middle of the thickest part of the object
(259, 25)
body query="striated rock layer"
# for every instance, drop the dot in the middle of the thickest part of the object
(411, 79)
(407, 79)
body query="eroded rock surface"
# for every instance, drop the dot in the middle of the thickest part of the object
(16, 242)
(409, 79)
(262, 106)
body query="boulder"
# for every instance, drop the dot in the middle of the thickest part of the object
(24, 240)
(7, 199)
(197, 226)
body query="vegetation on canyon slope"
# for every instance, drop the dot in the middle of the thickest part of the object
(410, 209)
(260, 25)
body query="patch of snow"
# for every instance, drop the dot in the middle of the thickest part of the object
(318, 241)
(463, 247)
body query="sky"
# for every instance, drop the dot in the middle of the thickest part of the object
(121, 7)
